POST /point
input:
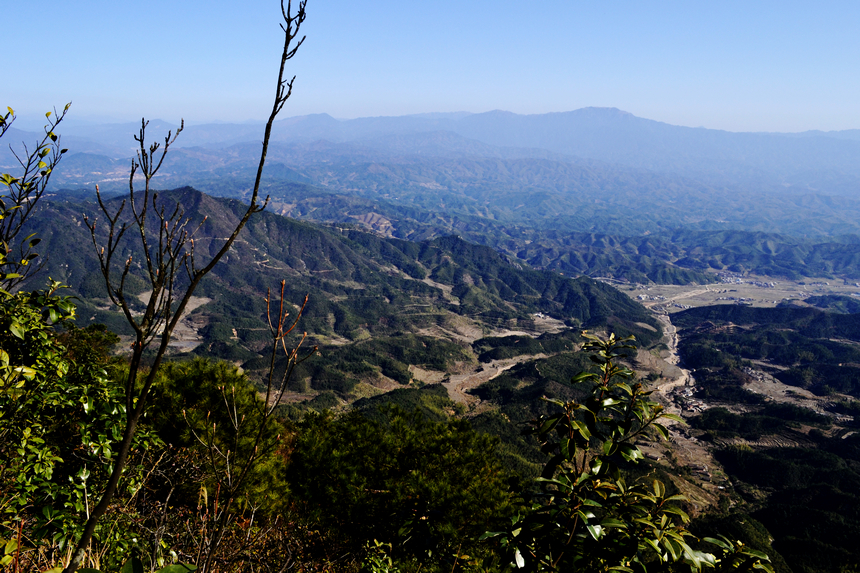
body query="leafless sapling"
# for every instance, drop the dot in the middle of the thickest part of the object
(230, 461)
(168, 251)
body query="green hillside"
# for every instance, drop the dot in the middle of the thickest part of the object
(376, 305)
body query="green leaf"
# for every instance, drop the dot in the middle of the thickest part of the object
(582, 377)
(612, 522)
(627, 389)
(11, 546)
(551, 423)
(719, 543)
(489, 535)
(585, 515)
(16, 329)
(677, 511)
(662, 429)
(653, 545)
(673, 548)
(133, 565)
(552, 481)
(645, 522)
(26, 372)
(583, 429)
(564, 446)
(755, 553)
(630, 453)
(595, 530)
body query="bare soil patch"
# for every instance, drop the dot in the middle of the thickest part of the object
(752, 290)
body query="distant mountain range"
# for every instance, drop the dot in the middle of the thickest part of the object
(813, 161)
(594, 191)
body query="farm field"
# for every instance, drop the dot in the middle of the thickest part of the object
(750, 290)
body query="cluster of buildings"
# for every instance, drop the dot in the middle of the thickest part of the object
(731, 278)
(650, 297)
(684, 398)
(737, 299)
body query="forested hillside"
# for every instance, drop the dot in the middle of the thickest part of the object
(379, 296)
(794, 466)
(418, 487)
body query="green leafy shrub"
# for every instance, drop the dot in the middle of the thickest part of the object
(585, 516)
(61, 417)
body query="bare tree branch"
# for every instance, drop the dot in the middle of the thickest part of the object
(165, 249)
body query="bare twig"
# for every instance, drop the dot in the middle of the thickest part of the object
(230, 475)
(166, 247)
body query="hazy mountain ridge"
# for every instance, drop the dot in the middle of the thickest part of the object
(826, 162)
(420, 177)
(586, 193)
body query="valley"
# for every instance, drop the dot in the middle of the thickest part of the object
(395, 319)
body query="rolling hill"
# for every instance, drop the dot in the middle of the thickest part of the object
(369, 295)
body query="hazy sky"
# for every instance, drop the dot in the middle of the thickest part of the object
(741, 66)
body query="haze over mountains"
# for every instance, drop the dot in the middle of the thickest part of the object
(820, 162)
(594, 191)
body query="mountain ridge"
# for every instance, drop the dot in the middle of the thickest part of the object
(827, 162)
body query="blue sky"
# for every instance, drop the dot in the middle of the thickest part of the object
(741, 66)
